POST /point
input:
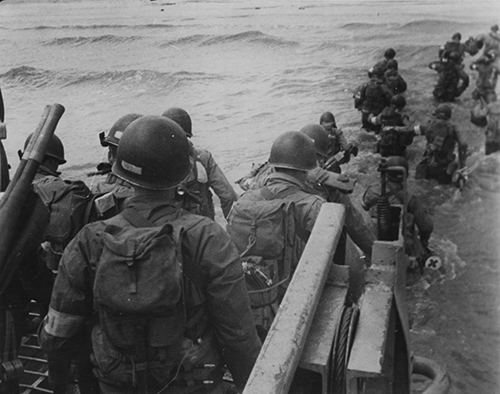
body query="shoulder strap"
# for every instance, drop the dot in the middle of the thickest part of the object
(269, 195)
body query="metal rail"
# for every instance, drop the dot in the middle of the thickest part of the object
(281, 352)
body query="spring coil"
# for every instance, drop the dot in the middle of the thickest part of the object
(384, 219)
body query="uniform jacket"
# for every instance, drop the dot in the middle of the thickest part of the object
(439, 148)
(206, 248)
(307, 205)
(375, 96)
(337, 141)
(202, 179)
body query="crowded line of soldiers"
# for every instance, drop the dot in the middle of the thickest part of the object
(150, 294)
(153, 295)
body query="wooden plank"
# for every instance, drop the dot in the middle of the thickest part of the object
(368, 351)
(320, 339)
(280, 354)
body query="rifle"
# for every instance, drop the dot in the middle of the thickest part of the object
(333, 164)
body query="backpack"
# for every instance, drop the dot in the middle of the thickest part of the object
(442, 145)
(389, 145)
(262, 227)
(375, 98)
(138, 297)
(195, 193)
(67, 202)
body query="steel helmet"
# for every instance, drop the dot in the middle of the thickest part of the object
(327, 117)
(456, 36)
(378, 70)
(153, 153)
(454, 55)
(396, 161)
(392, 64)
(389, 53)
(494, 28)
(293, 150)
(181, 117)
(319, 136)
(116, 131)
(443, 111)
(55, 148)
(398, 101)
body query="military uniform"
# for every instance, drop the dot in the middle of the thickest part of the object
(395, 81)
(337, 140)
(217, 301)
(487, 79)
(308, 200)
(374, 97)
(439, 158)
(392, 141)
(206, 175)
(452, 81)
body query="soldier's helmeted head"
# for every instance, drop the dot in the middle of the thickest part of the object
(54, 155)
(181, 117)
(389, 53)
(293, 151)
(112, 137)
(153, 154)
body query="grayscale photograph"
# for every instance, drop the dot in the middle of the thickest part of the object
(249, 197)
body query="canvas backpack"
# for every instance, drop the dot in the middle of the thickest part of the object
(443, 143)
(195, 191)
(67, 202)
(262, 226)
(138, 298)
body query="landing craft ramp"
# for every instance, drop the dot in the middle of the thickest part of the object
(327, 339)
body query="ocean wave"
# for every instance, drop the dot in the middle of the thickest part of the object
(433, 25)
(35, 77)
(80, 40)
(97, 27)
(193, 39)
(359, 26)
(251, 36)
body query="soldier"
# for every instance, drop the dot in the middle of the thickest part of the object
(195, 192)
(337, 143)
(372, 98)
(490, 40)
(110, 192)
(162, 289)
(110, 141)
(440, 161)
(488, 71)
(454, 45)
(393, 79)
(452, 80)
(389, 55)
(34, 279)
(393, 142)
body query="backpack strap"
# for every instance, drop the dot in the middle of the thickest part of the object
(269, 195)
(189, 270)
